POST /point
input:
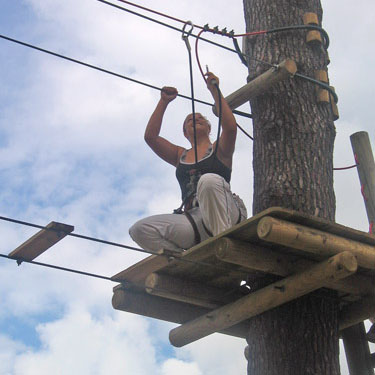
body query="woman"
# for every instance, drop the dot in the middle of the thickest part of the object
(209, 205)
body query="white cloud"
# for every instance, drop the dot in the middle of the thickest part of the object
(82, 344)
(72, 150)
(215, 349)
(9, 350)
(175, 366)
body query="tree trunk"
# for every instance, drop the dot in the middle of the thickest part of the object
(293, 168)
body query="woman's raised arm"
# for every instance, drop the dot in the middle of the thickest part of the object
(166, 150)
(229, 126)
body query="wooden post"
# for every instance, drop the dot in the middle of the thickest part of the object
(184, 290)
(163, 309)
(354, 336)
(366, 171)
(313, 241)
(260, 84)
(357, 351)
(279, 263)
(276, 294)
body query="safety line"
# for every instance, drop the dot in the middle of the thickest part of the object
(216, 31)
(205, 28)
(232, 34)
(244, 114)
(319, 83)
(125, 283)
(156, 12)
(28, 224)
(57, 267)
(170, 254)
(165, 24)
(243, 131)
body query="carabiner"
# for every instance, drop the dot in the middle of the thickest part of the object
(188, 33)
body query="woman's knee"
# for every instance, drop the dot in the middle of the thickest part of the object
(135, 231)
(209, 182)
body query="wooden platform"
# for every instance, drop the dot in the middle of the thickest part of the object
(201, 287)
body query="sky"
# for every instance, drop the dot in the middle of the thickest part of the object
(72, 151)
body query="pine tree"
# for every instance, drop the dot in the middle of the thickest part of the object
(293, 168)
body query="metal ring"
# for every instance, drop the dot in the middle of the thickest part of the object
(186, 34)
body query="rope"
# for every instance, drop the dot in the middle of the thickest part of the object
(243, 131)
(220, 119)
(319, 83)
(344, 168)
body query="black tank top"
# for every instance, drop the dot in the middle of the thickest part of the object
(188, 175)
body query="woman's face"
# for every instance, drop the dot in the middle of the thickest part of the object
(201, 124)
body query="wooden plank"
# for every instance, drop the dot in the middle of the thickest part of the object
(184, 290)
(260, 84)
(137, 273)
(247, 230)
(41, 241)
(310, 18)
(335, 110)
(312, 36)
(201, 265)
(258, 258)
(322, 94)
(313, 241)
(357, 312)
(214, 272)
(168, 310)
(292, 287)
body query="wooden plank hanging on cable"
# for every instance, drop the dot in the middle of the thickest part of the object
(41, 241)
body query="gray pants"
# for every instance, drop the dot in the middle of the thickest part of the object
(218, 209)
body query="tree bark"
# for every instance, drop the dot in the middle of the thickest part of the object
(293, 168)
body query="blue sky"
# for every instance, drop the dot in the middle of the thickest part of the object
(72, 150)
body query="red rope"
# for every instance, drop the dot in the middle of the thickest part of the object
(343, 168)
(197, 56)
(371, 228)
(363, 192)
